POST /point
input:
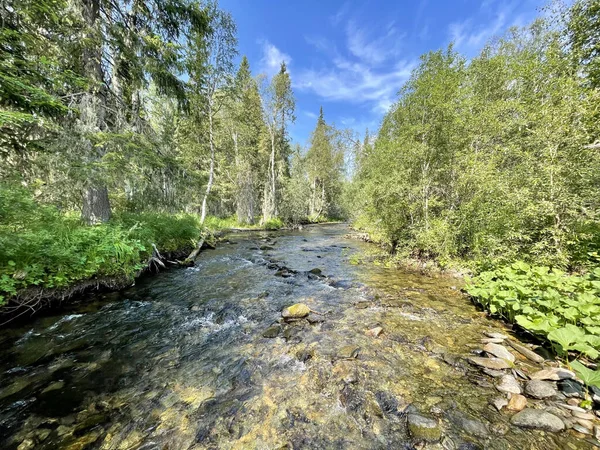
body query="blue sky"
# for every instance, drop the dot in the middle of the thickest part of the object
(352, 57)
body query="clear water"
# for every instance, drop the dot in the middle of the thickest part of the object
(178, 361)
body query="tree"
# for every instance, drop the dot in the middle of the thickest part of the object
(278, 106)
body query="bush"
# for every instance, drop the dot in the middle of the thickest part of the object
(39, 246)
(273, 224)
(562, 308)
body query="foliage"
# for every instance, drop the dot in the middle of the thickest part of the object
(588, 376)
(563, 308)
(491, 161)
(39, 246)
(274, 223)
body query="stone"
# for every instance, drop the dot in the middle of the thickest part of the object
(349, 352)
(27, 444)
(492, 341)
(499, 403)
(499, 351)
(297, 311)
(54, 386)
(538, 419)
(474, 427)
(266, 247)
(494, 373)
(584, 415)
(272, 332)
(572, 407)
(597, 431)
(374, 332)
(509, 384)
(517, 403)
(539, 389)
(490, 363)
(495, 335)
(315, 318)
(573, 402)
(527, 353)
(581, 429)
(587, 424)
(423, 429)
(595, 393)
(554, 374)
(571, 388)
(315, 271)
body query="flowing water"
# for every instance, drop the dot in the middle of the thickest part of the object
(179, 360)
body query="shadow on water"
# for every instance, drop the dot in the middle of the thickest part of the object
(180, 361)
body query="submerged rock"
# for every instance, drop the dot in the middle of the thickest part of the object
(499, 351)
(297, 311)
(374, 332)
(540, 389)
(423, 428)
(509, 384)
(272, 332)
(499, 403)
(495, 335)
(538, 419)
(490, 363)
(315, 318)
(349, 352)
(315, 271)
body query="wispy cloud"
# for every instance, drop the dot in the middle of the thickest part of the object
(310, 115)
(373, 50)
(471, 35)
(355, 82)
(272, 58)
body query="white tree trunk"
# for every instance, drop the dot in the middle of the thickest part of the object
(212, 162)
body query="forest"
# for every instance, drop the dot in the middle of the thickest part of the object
(126, 124)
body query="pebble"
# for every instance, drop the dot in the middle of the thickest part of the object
(490, 363)
(509, 384)
(494, 373)
(495, 335)
(499, 351)
(538, 419)
(540, 389)
(571, 388)
(349, 352)
(492, 341)
(374, 332)
(554, 374)
(572, 408)
(584, 415)
(423, 429)
(499, 403)
(517, 403)
(581, 429)
(573, 402)
(586, 423)
(527, 353)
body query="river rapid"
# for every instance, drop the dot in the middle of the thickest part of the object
(179, 360)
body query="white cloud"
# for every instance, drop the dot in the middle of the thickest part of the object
(272, 59)
(471, 35)
(373, 50)
(355, 82)
(310, 115)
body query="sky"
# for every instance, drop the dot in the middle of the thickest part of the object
(352, 57)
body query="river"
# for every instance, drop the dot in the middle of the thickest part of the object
(179, 360)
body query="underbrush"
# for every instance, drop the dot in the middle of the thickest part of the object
(553, 305)
(44, 248)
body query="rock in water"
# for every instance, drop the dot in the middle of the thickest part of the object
(272, 331)
(499, 403)
(423, 429)
(297, 311)
(349, 352)
(517, 403)
(529, 354)
(315, 271)
(374, 332)
(509, 384)
(538, 419)
(554, 374)
(540, 389)
(490, 363)
(499, 351)
(315, 318)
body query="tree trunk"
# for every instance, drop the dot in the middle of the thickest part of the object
(212, 162)
(96, 205)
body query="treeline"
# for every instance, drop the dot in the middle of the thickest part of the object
(135, 118)
(138, 106)
(497, 158)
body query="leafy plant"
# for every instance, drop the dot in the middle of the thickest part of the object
(588, 376)
(563, 308)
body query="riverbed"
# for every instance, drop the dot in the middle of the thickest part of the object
(180, 360)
